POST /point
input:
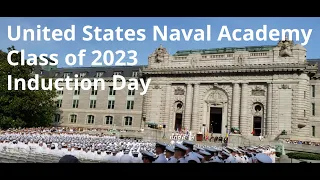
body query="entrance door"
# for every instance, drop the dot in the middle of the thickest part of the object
(215, 120)
(178, 122)
(257, 126)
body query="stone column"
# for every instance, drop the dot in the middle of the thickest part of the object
(268, 129)
(235, 106)
(244, 107)
(167, 120)
(195, 122)
(188, 109)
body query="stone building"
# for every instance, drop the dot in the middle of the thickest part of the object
(255, 90)
(265, 90)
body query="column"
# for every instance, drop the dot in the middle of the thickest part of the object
(269, 110)
(167, 120)
(235, 106)
(188, 109)
(244, 106)
(195, 115)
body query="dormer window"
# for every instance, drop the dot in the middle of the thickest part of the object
(65, 75)
(135, 74)
(99, 74)
(117, 73)
(83, 74)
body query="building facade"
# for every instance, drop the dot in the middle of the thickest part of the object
(263, 90)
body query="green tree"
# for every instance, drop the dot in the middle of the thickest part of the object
(23, 108)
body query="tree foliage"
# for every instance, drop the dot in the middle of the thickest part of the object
(23, 108)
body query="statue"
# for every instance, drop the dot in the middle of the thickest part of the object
(159, 54)
(240, 59)
(285, 48)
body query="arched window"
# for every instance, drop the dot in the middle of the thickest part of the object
(109, 120)
(90, 119)
(73, 118)
(128, 121)
(57, 118)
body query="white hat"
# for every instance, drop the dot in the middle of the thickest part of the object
(188, 143)
(263, 158)
(170, 149)
(204, 153)
(160, 144)
(180, 147)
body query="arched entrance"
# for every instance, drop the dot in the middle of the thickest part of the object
(257, 120)
(178, 116)
(215, 117)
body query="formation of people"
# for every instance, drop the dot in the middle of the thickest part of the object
(110, 149)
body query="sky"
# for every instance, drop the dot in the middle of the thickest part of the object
(145, 48)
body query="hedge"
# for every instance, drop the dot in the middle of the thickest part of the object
(302, 155)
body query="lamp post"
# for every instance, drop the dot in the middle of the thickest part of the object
(204, 131)
(164, 131)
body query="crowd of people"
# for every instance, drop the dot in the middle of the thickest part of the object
(290, 141)
(110, 149)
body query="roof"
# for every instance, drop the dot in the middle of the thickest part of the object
(91, 72)
(225, 50)
(126, 71)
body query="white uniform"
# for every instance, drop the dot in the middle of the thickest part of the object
(231, 159)
(136, 160)
(126, 158)
(114, 159)
(161, 159)
(106, 158)
(181, 160)
(192, 157)
(172, 159)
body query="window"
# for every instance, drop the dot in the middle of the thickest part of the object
(93, 91)
(111, 104)
(313, 109)
(131, 92)
(57, 118)
(56, 74)
(65, 75)
(73, 118)
(130, 104)
(117, 73)
(75, 103)
(41, 72)
(313, 131)
(313, 90)
(77, 91)
(83, 74)
(304, 113)
(59, 103)
(109, 120)
(90, 119)
(128, 121)
(135, 74)
(111, 91)
(60, 92)
(93, 104)
(305, 94)
(99, 74)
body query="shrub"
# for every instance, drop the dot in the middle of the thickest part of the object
(302, 155)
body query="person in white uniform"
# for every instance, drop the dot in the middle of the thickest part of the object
(125, 158)
(190, 155)
(147, 157)
(206, 156)
(231, 158)
(114, 158)
(136, 158)
(170, 155)
(160, 148)
(180, 152)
